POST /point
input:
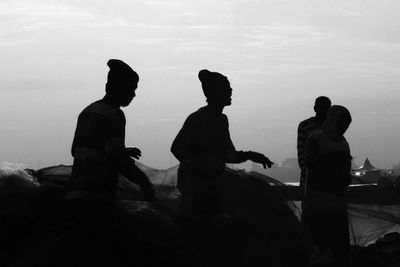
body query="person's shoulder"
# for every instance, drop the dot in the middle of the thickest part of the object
(95, 104)
(90, 107)
(102, 109)
(198, 114)
(307, 121)
(308, 125)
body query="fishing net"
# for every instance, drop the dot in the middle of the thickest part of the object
(372, 211)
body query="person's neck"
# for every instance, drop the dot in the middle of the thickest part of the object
(215, 109)
(112, 101)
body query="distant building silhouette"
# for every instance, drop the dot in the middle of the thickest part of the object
(367, 173)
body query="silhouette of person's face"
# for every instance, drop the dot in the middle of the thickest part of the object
(223, 95)
(342, 125)
(128, 92)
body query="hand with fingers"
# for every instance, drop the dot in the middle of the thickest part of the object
(134, 152)
(259, 158)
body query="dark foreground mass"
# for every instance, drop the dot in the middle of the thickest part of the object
(259, 228)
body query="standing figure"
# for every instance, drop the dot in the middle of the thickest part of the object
(204, 145)
(100, 156)
(328, 163)
(306, 128)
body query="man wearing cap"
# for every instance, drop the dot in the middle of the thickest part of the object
(99, 148)
(100, 156)
(203, 146)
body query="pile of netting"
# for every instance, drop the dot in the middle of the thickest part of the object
(261, 224)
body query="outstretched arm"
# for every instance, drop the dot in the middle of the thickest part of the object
(233, 156)
(242, 156)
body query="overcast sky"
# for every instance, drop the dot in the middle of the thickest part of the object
(278, 55)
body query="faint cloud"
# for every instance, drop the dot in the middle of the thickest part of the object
(208, 27)
(187, 73)
(154, 41)
(190, 16)
(114, 22)
(28, 15)
(22, 17)
(379, 45)
(151, 26)
(121, 23)
(350, 13)
(185, 47)
(16, 42)
(161, 69)
(278, 35)
(157, 121)
(160, 3)
(375, 70)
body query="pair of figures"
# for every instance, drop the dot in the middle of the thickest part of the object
(99, 143)
(325, 163)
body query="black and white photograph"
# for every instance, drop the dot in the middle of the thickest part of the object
(200, 133)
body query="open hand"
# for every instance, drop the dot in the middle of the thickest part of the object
(259, 158)
(134, 152)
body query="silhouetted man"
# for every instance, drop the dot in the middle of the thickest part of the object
(203, 146)
(100, 156)
(307, 127)
(328, 163)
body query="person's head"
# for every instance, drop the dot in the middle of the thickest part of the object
(321, 106)
(337, 121)
(122, 82)
(216, 88)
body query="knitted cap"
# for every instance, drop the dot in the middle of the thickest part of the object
(211, 82)
(120, 73)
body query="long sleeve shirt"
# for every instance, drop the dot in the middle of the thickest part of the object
(201, 147)
(99, 152)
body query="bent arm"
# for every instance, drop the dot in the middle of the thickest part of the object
(120, 158)
(236, 157)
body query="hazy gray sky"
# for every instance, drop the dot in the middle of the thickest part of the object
(278, 55)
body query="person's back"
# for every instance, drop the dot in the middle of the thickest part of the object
(100, 156)
(99, 148)
(308, 127)
(200, 146)
(209, 134)
(94, 173)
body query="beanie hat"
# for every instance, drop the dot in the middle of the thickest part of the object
(211, 82)
(120, 73)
